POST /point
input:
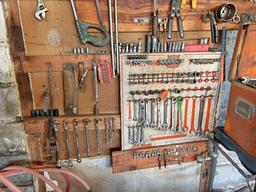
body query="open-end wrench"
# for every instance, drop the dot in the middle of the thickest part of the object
(75, 123)
(174, 101)
(185, 126)
(180, 115)
(152, 120)
(135, 110)
(56, 127)
(170, 123)
(41, 10)
(70, 161)
(146, 114)
(159, 102)
(106, 131)
(192, 127)
(208, 112)
(86, 132)
(97, 135)
(164, 125)
(200, 116)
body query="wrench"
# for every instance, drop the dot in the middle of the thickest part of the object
(152, 123)
(180, 115)
(159, 113)
(146, 114)
(164, 125)
(192, 129)
(75, 123)
(206, 129)
(56, 127)
(70, 161)
(173, 129)
(185, 126)
(97, 135)
(86, 131)
(41, 10)
(134, 110)
(200, 116)
(106, 131)
(170, 126)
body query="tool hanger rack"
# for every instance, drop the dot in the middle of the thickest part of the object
(38, 43)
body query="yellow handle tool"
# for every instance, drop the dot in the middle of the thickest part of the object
(193, 4)
(183, 4)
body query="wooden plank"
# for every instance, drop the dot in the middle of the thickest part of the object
(36, 125)
(36, 128)
(143, 158)
(57, 33)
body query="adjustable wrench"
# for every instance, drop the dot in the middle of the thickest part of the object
(86, 131)
(56, 127)
(41, 10)
(75, 123)
(97, 135)
(70, 161)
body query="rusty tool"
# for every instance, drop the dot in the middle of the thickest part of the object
(70, 161)
(75, 123)
(56, 127)
(86, 132)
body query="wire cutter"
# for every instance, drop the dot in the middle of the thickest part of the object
(175, 12)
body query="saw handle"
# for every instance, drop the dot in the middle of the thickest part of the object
(85, 37)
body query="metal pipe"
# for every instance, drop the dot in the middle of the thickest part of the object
(111, 37)
(117, 40)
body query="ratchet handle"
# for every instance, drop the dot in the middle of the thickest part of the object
(85, 37)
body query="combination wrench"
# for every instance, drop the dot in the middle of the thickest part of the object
(56, 127)
(200, 116)
(192, 127)
(159, 113)
(208, 112)
(153, 122)
(41, 10)
(164, 125)
(185, 126)
(75, 123)
(179, 125)
(86, 131)
(174, 101)
(70, 161)
(97, 135)
(106, 131)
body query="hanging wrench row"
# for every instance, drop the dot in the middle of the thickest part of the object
(129, 47)
(170, 114)
(164, 78)
(109, 130)
(175, 90)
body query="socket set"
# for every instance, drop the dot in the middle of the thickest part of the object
(167, 97)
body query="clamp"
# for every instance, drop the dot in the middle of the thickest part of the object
(175, 12)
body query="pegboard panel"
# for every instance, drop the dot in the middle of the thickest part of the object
(167, 97)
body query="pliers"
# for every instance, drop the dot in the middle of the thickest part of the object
(175, 12)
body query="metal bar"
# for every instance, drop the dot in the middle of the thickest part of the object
(117, 40)
(99, 12)
(111, 37)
